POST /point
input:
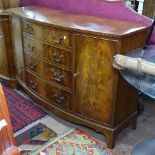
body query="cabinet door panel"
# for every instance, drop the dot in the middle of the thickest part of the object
(7, 68)
(94, 85)
(3, 57)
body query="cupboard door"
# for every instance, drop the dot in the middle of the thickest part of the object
(18, 48)
(3, 56)
(95, 80)
(7, 68)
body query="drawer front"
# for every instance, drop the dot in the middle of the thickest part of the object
(52, 54)
(48, 34)
(49, 92)
(48, 71)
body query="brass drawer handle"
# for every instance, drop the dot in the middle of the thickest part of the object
(59, 99)
(33, 84)
(31, 48)
(32, 66)
(57, 57)
(57, 75)
(56, 39)
(29, 28)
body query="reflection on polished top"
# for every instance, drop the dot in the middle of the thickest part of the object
(77, 21)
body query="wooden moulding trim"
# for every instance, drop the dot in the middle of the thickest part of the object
(67, 115)
(7, 78)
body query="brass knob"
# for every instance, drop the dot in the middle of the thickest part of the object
(29, 29)
(57, 75)
(59, 99)
(57, 56)
(32, 66)
(56, 38)
(31, 48)
(33, 84)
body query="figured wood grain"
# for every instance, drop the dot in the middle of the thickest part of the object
(96, 79)
(7, 68)
(91, 24)
(132, 42)
(48, 34)
(53, 94)
(52, 55)
(48, 71)
(149, 8)
(18, 48)
(3, 57)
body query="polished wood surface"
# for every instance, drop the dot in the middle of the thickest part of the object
(7, 144)
(48, 71)
(42, 32)
(55, 95)
(149, 8)
(95, 74)
(7, 68)
(89, 24)
(52, 55)
(64, 61)
(6, 4)
(17, 41)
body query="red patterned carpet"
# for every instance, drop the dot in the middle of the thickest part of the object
(22, 111)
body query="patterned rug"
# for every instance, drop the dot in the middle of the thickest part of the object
(22, 111)
(34, 138)
(74, 142)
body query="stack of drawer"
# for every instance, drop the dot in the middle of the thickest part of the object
(48, 61)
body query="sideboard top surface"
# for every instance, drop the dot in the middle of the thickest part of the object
(78, 22)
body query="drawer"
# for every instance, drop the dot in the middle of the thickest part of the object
(49, 92)
(50, 53)
(48, 71)
(46, 33)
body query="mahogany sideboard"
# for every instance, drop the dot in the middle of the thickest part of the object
(7, 68)
(64, 62)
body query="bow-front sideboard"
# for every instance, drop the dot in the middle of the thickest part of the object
(64, 62)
